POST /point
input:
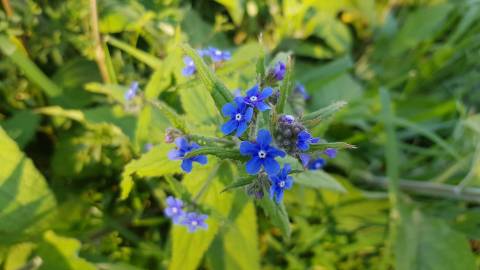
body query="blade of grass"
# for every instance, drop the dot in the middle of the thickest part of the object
(142, 56)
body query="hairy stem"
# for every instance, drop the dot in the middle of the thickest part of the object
(99, 53)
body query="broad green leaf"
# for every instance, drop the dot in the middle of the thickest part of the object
(61, 253)
(314, 118)
(217, 89)
(32, 72)
(318, 179)
(239, 235)
(278, 215)
(342, 87)
(153, 163)
(189, 248)
(425, 243)
(26, 205)
(199, 107)
(18, 255)
(21, 126)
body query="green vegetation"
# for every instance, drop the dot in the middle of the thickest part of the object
(393, 85)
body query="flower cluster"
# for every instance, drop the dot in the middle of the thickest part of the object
(192, 220)
(184, 147)
(214, 54)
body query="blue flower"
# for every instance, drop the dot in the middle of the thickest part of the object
(279, 71)
(300, 89)
(330, 152)
(280, 183)
(194, 221)
(287, 118)
(189, 68)
(316, 164)
(174, 209)
(255, 98)
(183, 147)
(262, 153)
(218, 55)
(304, 140)
(132, 91)
(240, 115)
(147, 147)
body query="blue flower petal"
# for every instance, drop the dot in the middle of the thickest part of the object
(253, 165)
(271, 166)
(264, 138)
(248, 114)
(279, 196)
(228, 109)
(266, 93)
(181, 143)
(253, 91)
(202, 159)
(229, 127)
(188, 71)
(262, 106)
(248, 148)
(303, 146)
(174, 155)
(187, 165)
(272, 151)
(241, 128)
(304, 158)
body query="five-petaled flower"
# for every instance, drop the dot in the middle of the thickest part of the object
(240, 115)
(256, 99)
(132, 91)
(280, 183)
(194, 221)
(262, 153)
(218, 55)
(279, 71)
(189, 68)
(183, 147)
(330, 152)
(304, 140)
(174, 209)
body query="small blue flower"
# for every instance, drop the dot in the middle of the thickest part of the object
(240, 115)
(280, 183)
(147, 147)
(316, 164)
(262, 153)
(194, 221)
(132, 91)
(189, 68)
(255, 98)
(279, 71)
(330, 152)
(183, 147)
(304, 140)
(218, 55)
(174, 209)
(300, 89)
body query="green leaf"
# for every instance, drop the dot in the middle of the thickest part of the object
(241, 182)
(425, 243)
(32, 72)
(22, 126)
(318, 179)
(153, 163)
(199, 108)
(217, 89)
(234, 8)
(189, 248)
(217, 151)
(60, 253)
(278, 215)
(27, 205)
(314, 118)
(18, 255)
(286, 87)
(142, 56)
(337, 145)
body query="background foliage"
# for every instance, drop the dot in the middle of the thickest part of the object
(78, 191)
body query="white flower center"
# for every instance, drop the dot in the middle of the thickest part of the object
(281, 184)
(174, 210)
(238, 116)
(318, 165)
(262, 154)
(194, 223)
(218, 52)
(253, 98)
